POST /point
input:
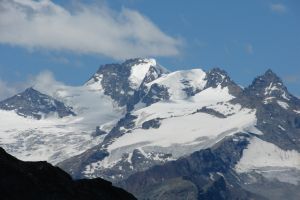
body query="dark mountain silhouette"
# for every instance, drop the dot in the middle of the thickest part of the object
(40, 180)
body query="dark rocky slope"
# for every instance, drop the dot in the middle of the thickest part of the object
(32, 103)
(205, 174)
(40, 180)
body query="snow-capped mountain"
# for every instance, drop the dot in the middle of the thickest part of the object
(136, 120)
(32, 103)
(32, 125)
(194, 113)
(125, 82)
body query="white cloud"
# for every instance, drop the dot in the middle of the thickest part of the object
(278, 8)
(44, 82)
(86, 29)
(7, 90)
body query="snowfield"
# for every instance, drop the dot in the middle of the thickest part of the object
(179, 80)
(183, 129)
(261, 154)
(56, 139)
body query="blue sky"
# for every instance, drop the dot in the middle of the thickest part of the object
(242, 37)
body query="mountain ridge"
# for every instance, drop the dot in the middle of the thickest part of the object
(152, 117)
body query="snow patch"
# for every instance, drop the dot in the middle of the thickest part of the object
(95, 82)
(261, 154)
(268, 100)
(284, 105)
(297, 111)
(270, 88)
(176, 82)
(139, 71)
(273, 87)
(281, 127)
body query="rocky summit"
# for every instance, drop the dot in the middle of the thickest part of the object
(189, 134)
(32, 103)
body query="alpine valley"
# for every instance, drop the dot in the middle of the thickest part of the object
(158, 134)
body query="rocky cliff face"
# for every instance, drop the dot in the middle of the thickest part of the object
(205, 174)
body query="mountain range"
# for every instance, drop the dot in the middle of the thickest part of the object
(189, 134)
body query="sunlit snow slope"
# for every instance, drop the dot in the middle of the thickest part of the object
(94, 104)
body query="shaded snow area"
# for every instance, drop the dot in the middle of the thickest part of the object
(184, 127)
(54, 139)
(269, 160)
(268, 100)
(95, 83)
(92, 107)
(139, 71)
(284, 105)
(263, 154)
(178, 81)
(276, 87)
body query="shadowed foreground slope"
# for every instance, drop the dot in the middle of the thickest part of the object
(40, 180)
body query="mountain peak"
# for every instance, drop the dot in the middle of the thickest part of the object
(218, 77)
(218, 71)
(121, 81)
(35, 104)
(135, 61)
(29, 90)
(268, 85)
(269, 75)
(270, 72)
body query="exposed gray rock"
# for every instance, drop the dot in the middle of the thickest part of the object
(271, 187)
(211, 112)
(123, 125)
(279, 124)
(153, 123)
(217, 76)
(116, 83)
(268, 85)
(130, 164)
(208, 171)
(98, 132)
(156, 93)
(76, 165)
(32, 103)
(175, 189)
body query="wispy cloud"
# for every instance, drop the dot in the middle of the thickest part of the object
(86, 29)
(7, 90)
(292, 79)
(249, 48)
(278, 8)
(44, 81)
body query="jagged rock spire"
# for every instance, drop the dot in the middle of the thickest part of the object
(268, 85)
